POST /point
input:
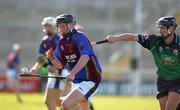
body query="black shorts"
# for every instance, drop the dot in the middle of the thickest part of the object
(164, 87)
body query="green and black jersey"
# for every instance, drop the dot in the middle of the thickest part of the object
(167, 57)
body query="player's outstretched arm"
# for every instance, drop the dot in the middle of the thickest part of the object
(80, 64)
(34, 69)
(54, 60)
(122, 37)
(41, 59)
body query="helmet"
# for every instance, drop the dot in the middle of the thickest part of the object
(69, 16)
(167, 21)
(49, 21)
(65, 18)
(16, 47)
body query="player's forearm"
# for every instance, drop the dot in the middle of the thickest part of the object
(50, 55)
(125, 37)
(36, 66)
(80, 64)
(56, 63)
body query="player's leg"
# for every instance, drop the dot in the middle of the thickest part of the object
(17, 90)
(172, 101)
(15, 87)
(162, 96)
(81, 105)
(80, 94)
(67, 88)
(162, 102)
(173, 96)
(13, 83)
(53, 91)
(51, 98)
(72, 100)
(87, 105)
(84, 105)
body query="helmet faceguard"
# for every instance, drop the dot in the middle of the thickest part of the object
(68, 19)
(167, 22)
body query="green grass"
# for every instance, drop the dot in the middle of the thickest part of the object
(34, 102)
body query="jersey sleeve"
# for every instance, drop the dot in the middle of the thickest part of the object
(41, 49)
(84, 45)
(57, 36)
(10, 58)
(145, 40)
(56, 39)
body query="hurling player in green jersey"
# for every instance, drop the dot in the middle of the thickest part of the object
(165, 48)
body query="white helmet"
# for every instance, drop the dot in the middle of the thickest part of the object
(49, 21)
(16, 47)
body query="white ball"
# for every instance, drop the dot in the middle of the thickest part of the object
(25, 70)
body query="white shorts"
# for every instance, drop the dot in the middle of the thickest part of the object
(65, 73)
(12, 74)
(55, 83)
(87, 88)
(12, 78)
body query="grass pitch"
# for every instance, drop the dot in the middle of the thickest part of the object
(35, 102)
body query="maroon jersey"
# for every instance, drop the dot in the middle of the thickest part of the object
(70, 49)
